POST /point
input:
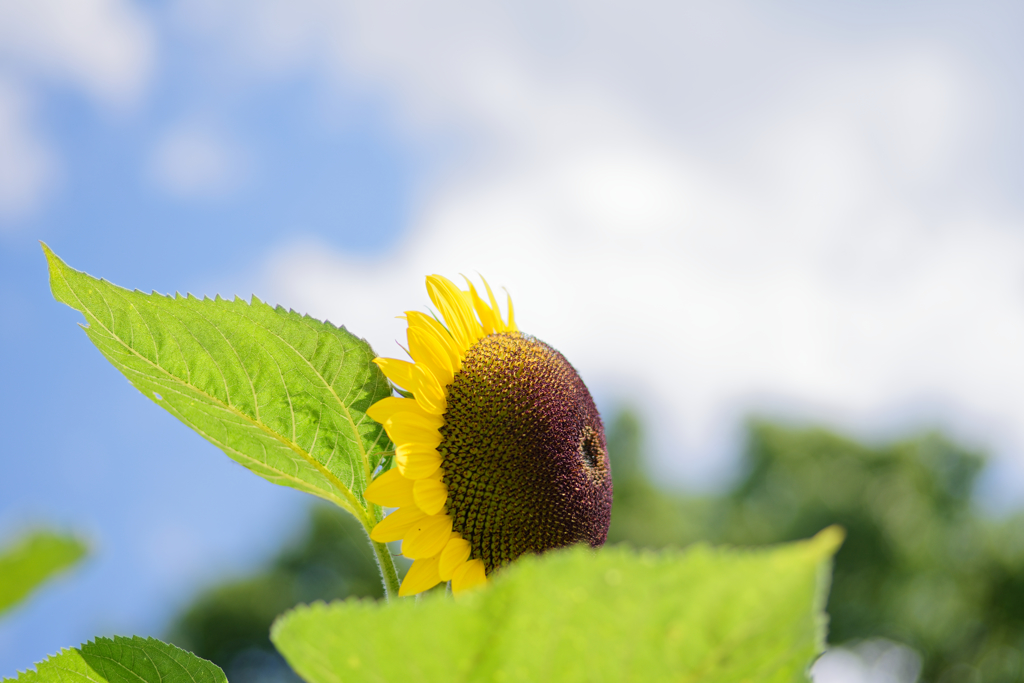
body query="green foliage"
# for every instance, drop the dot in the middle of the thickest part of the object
(33, 560)
(123, 660)
(575, 615)
(231, 622)
(921, 565)
(283, 394)
(907, 509)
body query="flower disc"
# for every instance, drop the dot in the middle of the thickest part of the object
(523, 447)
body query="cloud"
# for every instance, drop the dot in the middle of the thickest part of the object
(872, 661)
(104, 47)
(27, 167)
(194, 162)
(700, 304)
(708, 209)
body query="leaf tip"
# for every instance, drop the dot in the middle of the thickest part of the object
(65, 281)
(828, 540)
(52, 260)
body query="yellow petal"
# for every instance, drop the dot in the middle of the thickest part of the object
(428, 353)
(394, 526)
(468, 576)
(398, 371)
(417, 461)
(406, 428)
(456, 312)
(499, 324)
(390, 489)
(383, 409)
(487, 316)
(427, 537)
(429, 394)
(454, 555)
(469, 302)
(421, 576)
(511, 314)
(441, 335)
(430, 495)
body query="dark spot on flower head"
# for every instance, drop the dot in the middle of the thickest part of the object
(592, 450)
(524, 452)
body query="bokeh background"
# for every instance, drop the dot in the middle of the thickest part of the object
(783, 243)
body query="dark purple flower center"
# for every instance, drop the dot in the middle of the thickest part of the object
(523, 452)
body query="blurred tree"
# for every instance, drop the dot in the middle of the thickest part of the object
(644, 514)
(920, 564)
(912, 568)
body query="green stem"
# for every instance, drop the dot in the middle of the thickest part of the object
(385, 562)
(388, 573)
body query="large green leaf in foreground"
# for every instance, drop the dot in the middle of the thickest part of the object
(124, 660)
(706, 614)
(33, 560)
(283, 394)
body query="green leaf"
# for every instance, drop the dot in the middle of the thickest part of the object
(33, 560)
(123, 660)
(281, 393)
(705, 614)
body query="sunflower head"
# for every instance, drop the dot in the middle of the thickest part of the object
(499, 452)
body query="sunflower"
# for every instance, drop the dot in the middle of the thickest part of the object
(499, 448)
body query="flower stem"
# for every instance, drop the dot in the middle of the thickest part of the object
(388, 573)
(385, 562)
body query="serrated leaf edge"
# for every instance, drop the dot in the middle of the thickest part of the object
(349, 501)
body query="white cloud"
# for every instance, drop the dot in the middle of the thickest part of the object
(709, 208)
(104, 47)
(872, 661)
(707, 304)
(195, 162)
(27, 167)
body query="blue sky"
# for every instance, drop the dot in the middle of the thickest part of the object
(84, 451)
(811, 212)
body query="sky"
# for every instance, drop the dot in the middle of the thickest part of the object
(806, 210)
